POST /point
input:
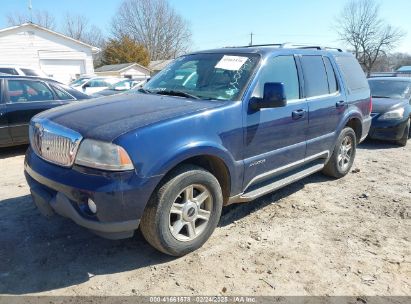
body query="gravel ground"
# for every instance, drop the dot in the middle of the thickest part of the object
(315, 237)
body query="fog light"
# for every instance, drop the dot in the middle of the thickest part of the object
(92, 205)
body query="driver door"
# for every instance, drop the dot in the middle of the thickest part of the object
(275, 137)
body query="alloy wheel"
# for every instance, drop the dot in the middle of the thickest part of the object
(345, 153)
(190, 212)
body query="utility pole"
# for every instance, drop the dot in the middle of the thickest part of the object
(31, 11)
(251, 40)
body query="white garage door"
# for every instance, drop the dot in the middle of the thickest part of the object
(63, 70)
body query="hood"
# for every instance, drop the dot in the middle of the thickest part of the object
(382, 105)
(109, 117)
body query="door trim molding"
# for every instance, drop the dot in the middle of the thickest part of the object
(268, 174)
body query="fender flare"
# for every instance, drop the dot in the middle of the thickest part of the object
(176, 156)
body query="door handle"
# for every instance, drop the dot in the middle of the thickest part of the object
(297, 114)
(340, 104)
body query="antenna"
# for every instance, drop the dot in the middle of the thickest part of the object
(31, 11)
(251, 40)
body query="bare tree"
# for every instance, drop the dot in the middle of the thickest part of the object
(78, 27)
(75, 26)
(361, 26)
(153, 24)
(42, 18)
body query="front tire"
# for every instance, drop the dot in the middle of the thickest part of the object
(183, 212)
(343, 155)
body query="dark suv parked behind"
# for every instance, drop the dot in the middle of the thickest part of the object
(213, 128)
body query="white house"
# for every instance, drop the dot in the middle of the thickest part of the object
(129, 70)
(59, 56)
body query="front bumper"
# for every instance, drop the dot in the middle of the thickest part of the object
(120, 197)
(391, 130)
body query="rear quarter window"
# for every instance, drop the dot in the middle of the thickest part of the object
(352, 73)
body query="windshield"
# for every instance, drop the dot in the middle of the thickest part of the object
(390, 89)
(79, 81)
(123, 85)
(205, 76)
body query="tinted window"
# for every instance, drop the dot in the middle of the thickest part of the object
(332, 80)
(315, 76)
(352, 73)
(28, 91)
(8, 71)
(61, 94)
(280, 69)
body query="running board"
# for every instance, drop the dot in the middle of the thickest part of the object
(276, 184)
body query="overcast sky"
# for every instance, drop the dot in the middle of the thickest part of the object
(216, 23)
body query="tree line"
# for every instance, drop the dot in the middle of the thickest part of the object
(140, 31)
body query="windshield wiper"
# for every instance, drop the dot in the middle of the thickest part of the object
(177, 93)
(145, 91)
(377, 96)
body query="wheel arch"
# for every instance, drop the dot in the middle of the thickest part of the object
(213, 159)
(352, 119)
(355, 124)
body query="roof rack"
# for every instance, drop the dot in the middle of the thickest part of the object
(289, 45)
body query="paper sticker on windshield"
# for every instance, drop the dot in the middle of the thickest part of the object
(231, 63)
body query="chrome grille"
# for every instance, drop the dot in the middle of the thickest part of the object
(53, 142)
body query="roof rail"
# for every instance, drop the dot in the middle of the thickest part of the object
(256, 45)
(293, 46)
(309, 46)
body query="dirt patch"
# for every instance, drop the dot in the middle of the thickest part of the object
(315, 237)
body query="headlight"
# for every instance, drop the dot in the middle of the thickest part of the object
(102, 155)
(393, 115)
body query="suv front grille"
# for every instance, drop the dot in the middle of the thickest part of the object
(53, 142)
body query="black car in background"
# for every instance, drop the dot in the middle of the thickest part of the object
(391, 109)
(22, 97)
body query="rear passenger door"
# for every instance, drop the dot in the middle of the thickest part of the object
(26, 98)
(275, 137)
(326, 103)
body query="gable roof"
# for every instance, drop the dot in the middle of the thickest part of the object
(39, 27)
(119, 67)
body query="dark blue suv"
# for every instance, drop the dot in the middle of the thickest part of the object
(213, 128)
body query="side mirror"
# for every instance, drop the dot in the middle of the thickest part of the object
(273, 97)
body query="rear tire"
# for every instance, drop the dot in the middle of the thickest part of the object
(404, 139)
(183, 212)
(343, 155)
